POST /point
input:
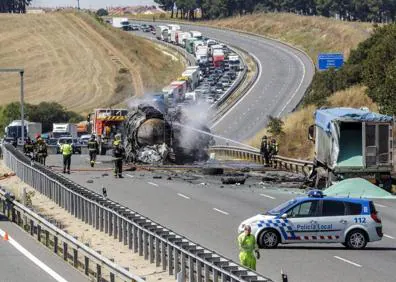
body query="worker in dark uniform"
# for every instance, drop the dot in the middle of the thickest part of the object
(273, 149)
(118, 154)
(28, 147)
(93, 148)
(40, 150)
(264, 150)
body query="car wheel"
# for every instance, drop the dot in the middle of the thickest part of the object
(269, 239)
(356, 240)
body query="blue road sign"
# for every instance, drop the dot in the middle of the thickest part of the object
(330, 60)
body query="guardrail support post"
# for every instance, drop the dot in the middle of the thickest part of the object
(157, 253)
(38, 232)
(65, 255)
(130, 236)
(176, 262)
(140, 239)
(31, 227)
(86, 266)
(120, 229)
(75, 258)
(191, 269)
(55, 245)
(110, 224)
(112, 278)
(163, 255)
(97, 217)
(183, 266)
(98, 273)
(146, 246)
(135, 239)
(106, 221)
(47, 238)
(215, 275)
(151, 242)
(199, 271)
(101, 219)
(90, 214)
(125, 231)
(170, 259)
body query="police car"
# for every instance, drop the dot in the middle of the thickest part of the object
(317, 219)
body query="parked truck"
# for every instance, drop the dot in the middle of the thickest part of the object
(351, 143)
(106, 123)
(160, 31)
(64, 129)
(14, 130)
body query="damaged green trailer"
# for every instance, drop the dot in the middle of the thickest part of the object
(352, 143)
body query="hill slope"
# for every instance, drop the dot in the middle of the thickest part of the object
(72, 59)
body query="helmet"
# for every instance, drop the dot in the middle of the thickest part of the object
(38, 135)
(264, 137)
(93, 136)
(118, 137)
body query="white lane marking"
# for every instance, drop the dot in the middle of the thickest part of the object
(388, 236)
(130, 176)
(379, 205)
(183, 196)
(35, 260)
(244, 96)
(154, 184)
(268, 196)
(348, 261)
(299, 85)
(220, 211)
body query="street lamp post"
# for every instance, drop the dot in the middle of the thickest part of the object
(21, 73)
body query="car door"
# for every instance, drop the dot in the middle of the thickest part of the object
(301, 221)
(331, 221)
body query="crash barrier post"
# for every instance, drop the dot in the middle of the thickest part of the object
(254, 156)
(70, 249)
(156, 243)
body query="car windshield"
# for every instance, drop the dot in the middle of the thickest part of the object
(281, 207)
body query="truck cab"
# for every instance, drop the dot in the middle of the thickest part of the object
(352, 143)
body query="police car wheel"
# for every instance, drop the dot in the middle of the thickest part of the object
(269, 239)
(356, 240)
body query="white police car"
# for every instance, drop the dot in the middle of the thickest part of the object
(317, 219)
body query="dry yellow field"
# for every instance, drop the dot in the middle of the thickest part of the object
(72, 59)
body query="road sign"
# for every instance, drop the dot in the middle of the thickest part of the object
(330, 60)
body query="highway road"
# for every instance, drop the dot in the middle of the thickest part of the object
(202, 209)
(15, 265)
(285, 74)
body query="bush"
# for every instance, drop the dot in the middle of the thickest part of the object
(102, 12)
(275, 126)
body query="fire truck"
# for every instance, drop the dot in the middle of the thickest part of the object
(106, 123)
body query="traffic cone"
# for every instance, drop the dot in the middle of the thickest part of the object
(6, 236)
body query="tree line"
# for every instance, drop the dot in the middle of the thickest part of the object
(372, 63)
(352, 10)
(46, 112)
(14, 6)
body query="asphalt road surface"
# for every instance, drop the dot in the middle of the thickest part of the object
(285, 74)
(17, 267)
(199, 208)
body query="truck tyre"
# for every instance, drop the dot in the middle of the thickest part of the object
(356, 240)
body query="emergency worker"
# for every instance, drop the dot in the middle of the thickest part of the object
(118, 154)
(93, 148)
(273, 149)
(264, 150)
(67, 151)
(28, 147)
(247, 245)
(40, 150)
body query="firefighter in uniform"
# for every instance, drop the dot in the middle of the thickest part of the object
(28, 147)
(247, 245)
(273, 149)
(118, 154)
(67, 151)
(40, 150)
(93, 148)
(264, 150)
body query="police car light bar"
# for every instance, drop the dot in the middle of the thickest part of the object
(315, 194)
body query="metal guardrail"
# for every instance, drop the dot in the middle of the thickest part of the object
(159, 245)
(79, 255)
(250, 155)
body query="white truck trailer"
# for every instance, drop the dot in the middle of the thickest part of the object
(159, 32)
(64, 129)
(119, 22)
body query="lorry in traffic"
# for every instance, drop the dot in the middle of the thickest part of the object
(119, 22)
(193, 77)
(234, 62)
(161, 32)
(14, 130)
(64, 129)
(190, 44)
(351, 143)
(196, 34)
(182, 38)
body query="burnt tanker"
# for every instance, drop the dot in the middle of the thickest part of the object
(154, 138)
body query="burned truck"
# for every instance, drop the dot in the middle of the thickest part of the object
(153, 137)
(352, 143)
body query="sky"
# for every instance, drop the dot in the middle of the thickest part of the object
(90, 4)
